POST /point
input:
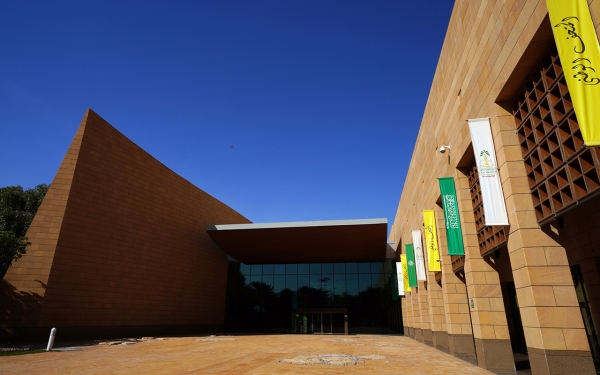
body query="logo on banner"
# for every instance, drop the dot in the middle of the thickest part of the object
(485, 165)
(411, 263)
(419, 253)
(451, 212)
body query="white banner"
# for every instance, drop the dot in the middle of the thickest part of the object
(494, 206)
(400, 278)
(419, 259)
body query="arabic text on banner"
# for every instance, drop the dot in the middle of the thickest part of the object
(419, 260)
(451, 216)
(579, 54)
(405, 281)
(431, 243)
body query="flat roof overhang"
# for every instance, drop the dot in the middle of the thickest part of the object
(303, 242)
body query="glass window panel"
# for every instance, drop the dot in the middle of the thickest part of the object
(339, 268)
(291, 282)
(278, 283)
(303, 280)
(351, 268)
(327, 268)
(376, 267)
(315, 268)
(256, 278)
(245, 269)
(279, 269)
(352, 284)
(364, 267)
(339, 285)
(257, 269)
(268, 269)
(315, 281)
(327, 282)
(303, 269)
(375, 280)
(364, 281)
(291, 269)
(268, 279)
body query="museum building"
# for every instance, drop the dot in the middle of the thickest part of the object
(122, 246)
(524, 294)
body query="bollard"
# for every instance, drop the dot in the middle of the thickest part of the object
(51, 339)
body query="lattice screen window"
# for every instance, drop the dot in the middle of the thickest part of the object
(560, 169)
(490, 237)
(458, 262)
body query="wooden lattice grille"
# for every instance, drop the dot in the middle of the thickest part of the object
(490, 238)
(560, 169)
(458, 262)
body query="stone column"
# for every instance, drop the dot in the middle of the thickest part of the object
(554, 330)
(458, 320)
(437, 315)
(416, 313)
(427, 335)
(405, 302)
(488, 318)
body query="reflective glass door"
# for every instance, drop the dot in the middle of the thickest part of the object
(327, 323)
(317, 326)
(337, 323)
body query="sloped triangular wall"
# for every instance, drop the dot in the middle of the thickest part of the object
(119, 247)
(24, 286)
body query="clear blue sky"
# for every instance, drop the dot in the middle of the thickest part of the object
(321, 100)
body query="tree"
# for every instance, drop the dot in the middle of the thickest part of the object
(17, 209)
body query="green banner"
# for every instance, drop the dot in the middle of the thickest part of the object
(410, 261)
(451, 216)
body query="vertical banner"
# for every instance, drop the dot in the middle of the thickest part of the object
(579, 53)
(451, 216)
(487, 168)
(431, 244)
(400, 278)
(419, 260)
(405, 281)
(410, 261)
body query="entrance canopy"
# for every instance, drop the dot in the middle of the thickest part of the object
(303, 242)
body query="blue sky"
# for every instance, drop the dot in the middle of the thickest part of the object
(321, 100)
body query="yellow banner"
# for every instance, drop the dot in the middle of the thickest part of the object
(431, 244)
(404, 272)
(579, 54)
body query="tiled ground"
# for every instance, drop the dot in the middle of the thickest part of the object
(252, 354)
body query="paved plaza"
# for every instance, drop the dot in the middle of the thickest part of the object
(247, 354)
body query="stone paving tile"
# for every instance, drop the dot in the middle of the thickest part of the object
(250, 354)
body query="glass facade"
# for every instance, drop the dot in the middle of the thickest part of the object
(265, 297)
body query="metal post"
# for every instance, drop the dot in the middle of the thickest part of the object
(346, 324)
(51, 339)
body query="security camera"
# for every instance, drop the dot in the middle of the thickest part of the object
(444, 148)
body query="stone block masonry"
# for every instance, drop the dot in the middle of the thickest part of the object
(118, 248)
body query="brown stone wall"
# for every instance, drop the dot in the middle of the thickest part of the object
(489, 49)
(118, 246)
